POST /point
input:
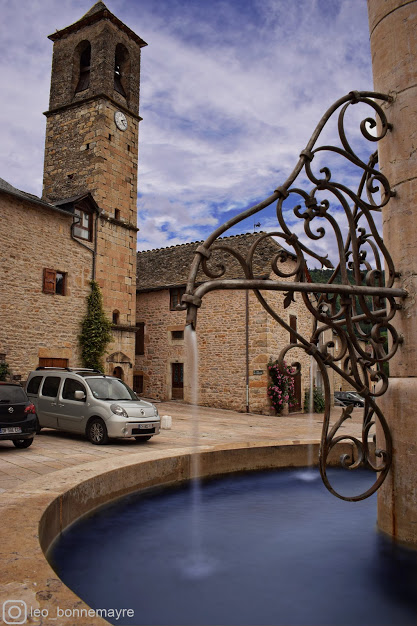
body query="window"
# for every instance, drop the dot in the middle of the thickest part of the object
(138, 383)
(34, 384)
(83, 52)
(293, 325)
(140, 339)
(83, 224)
(177, 334)
(12, 394)
(51, 386)
(175, 295)
(54, 282)
(116, 317)
(121, 69)
(70, 387)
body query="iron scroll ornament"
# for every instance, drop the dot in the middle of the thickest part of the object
(356, 305)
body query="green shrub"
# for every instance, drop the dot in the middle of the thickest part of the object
(4, 370)
(95, 331)
(318, 400)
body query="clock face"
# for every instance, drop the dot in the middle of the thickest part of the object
(121, 121)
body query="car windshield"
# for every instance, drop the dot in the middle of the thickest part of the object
(110, 389)
(12, 394)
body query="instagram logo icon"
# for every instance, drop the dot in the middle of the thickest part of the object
(14, 612)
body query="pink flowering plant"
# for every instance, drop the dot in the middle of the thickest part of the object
(281, 388)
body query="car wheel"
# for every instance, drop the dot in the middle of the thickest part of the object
(97, 432)
(143, 439)
(23, 443)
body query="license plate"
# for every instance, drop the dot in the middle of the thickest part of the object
(11, 430)
(146, 426)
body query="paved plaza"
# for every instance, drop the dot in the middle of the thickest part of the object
(53, 450)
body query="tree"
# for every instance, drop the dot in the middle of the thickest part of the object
(95, 330)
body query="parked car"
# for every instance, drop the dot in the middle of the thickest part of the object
(339, 402)
(89, 402)
(349, 397)
(17, 415)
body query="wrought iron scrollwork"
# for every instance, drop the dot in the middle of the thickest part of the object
(359, 300)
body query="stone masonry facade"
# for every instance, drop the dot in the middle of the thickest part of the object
(221, 336)
(38, 325)
(91, 160)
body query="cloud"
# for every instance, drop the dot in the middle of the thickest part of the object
(230, 94)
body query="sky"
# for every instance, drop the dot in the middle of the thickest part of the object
(231, 91)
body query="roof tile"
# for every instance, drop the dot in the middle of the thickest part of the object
(169, 267)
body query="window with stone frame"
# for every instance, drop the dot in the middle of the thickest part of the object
(138, 383)
(83, 223)
(54, 282)
(175, 295)
(140, 339)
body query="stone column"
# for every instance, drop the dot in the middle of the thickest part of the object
(393, 31)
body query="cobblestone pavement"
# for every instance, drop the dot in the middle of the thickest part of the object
(53, 450)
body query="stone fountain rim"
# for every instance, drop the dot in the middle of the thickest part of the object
(34, 514)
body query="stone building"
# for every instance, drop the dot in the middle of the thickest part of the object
(84, 226)
(236, 337)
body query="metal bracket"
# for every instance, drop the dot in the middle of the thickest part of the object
(356, 293)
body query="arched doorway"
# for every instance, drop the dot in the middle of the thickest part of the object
(118, 372)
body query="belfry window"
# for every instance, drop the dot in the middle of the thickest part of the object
(121, 69)
(84, 73)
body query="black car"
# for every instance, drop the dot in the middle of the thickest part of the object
(17, 415)
(349, 398)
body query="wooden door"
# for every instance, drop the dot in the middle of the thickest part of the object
(53, 362)
(177, 381)
(297, 393)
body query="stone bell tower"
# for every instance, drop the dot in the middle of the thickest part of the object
(91, 157)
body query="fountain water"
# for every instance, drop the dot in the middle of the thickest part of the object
(197, 563)
(309, 474)
(280, 559)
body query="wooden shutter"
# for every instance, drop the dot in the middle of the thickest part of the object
(49, 281)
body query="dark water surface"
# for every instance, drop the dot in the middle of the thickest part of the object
(269, 548)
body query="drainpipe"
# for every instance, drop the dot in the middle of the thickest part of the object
(94, 251)
(247, 350)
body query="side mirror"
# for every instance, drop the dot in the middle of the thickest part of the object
(79, 395)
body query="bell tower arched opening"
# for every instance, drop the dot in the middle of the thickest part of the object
(121, 70)
(81, 66)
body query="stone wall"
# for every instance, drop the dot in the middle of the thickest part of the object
(221, 339)
(84, 151)
(35, 324)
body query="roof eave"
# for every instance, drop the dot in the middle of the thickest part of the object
(87, 20)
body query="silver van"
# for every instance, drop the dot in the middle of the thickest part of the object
(89, 402)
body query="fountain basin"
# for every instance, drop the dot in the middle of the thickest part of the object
(262, 548)
(33, 515)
